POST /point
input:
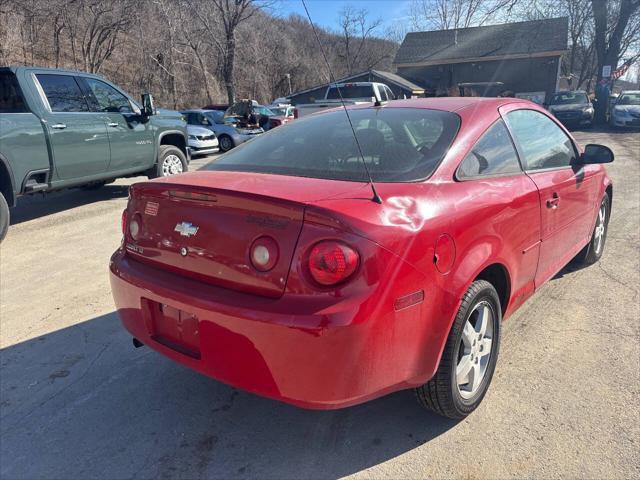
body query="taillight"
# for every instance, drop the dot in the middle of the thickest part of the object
(295, 113)
(124, 221)
(264, 254)
(135, 226)
(332, 262)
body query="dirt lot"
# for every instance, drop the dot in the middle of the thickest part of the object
(78, 401)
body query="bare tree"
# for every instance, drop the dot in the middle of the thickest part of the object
(617, 27)
(450, 14)
(355, 30)
(231, 13)
(104, 22)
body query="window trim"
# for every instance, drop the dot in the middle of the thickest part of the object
(519, 149)
(88, 92)
(45, 100)
(458, 178)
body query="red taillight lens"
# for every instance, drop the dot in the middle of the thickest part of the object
(264, 254)
(332, 262)
(124, 221)
(295, 113)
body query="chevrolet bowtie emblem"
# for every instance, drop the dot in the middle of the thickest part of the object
(186, 229)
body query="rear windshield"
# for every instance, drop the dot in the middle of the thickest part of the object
(10, 95)
(398, 145)
(351, 91)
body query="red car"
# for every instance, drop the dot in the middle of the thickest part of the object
(279, 272)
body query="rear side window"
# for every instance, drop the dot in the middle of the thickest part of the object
(542, 143)
(11, 100)
(63, 93)
(398, 145)
(493, 154)
(108, 98)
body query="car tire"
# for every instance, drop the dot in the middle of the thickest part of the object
(171, 161)
(592, 252)
(472, 346)
(225, 143)
(5, 217)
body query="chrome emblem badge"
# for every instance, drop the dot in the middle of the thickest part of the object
(186, 229)
(184, 251)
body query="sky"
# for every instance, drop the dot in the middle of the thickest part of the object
(325, 13)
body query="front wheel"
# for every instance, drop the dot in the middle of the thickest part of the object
(4, 217)
(225, 142)
(470, 355)
(171, 161)
(593, 250)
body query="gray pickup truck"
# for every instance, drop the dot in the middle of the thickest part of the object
(62, 129)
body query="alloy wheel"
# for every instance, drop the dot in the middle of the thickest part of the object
(475, 349)
(600, 228)
(171, 165)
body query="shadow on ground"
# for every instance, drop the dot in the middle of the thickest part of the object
(38, 205)
(82, 402)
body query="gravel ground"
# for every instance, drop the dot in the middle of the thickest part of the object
(78, 401)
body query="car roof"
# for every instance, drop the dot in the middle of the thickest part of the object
(629, 91)
(454, 104)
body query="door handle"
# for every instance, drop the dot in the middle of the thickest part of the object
(554, 201)
(113, 124)
(59, 126)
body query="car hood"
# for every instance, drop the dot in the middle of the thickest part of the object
(570, 107)
(627, 108)
(165, 113)
(196, 130)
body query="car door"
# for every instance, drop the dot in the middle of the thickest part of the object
(566, 190)
(493, 179)
(79, 139)
(130, 135)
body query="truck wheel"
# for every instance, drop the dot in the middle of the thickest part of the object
(593, 251)
(4, 217)
(171, 161)
(469, 357)
(225, 143)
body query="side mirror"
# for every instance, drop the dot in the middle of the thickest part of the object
(205, 121)
(148, 107)
(594, 154)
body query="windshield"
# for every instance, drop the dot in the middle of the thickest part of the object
(629, 99)
(282, 111)
(568, 98)
(351, 91)
(398, 145)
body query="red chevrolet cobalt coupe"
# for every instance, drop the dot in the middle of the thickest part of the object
(278, 270)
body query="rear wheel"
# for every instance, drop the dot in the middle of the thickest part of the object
(470, 355)
(225, 143)
(171, 161)
(4, 217)
(593, 250)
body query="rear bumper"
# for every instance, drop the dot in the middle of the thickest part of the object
(321, 358)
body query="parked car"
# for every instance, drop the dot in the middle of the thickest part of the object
(279, 270)
(202, 141)
(353, 93)
(286, 112)
(250, 112)
(626, 110)
(218, 106)
(572, 108)
(228, 132)
(62, 128)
